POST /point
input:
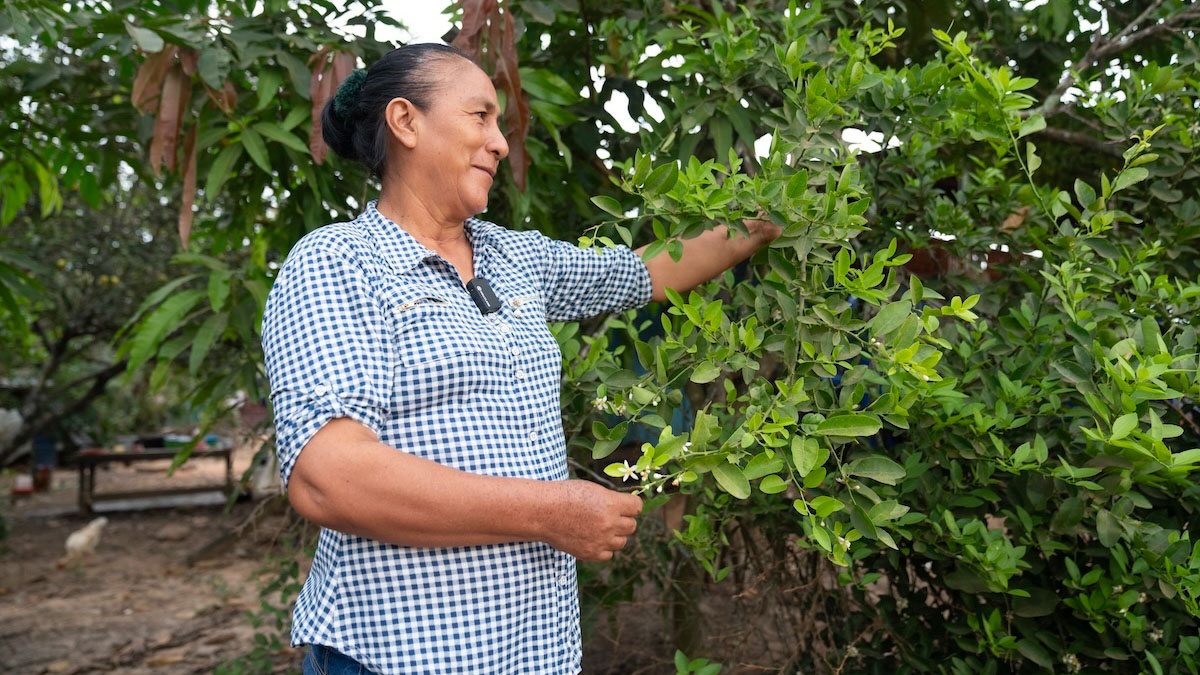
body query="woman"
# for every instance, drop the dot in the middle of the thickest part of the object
(422, 434)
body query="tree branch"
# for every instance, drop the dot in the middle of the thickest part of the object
(30, 428)
(1103, 48)
(1083, 140)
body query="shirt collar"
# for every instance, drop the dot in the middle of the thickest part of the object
(405, 252)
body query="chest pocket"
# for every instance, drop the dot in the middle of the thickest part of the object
(528, 315)
(443, 359)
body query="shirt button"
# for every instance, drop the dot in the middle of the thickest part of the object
(562, 580)
(533, 435)
(503, 327)
(516, 351)
(521, 373)
(321, 390)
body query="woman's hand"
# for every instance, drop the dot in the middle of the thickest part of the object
(763, 230)
(705, 256)
(589, 521)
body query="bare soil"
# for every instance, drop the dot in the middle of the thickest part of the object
(137, 607)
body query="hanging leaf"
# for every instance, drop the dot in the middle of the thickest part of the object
(325, 80)
(149, 81)
(176, 93)
(220, 170)
(159, 324)
(474, 21)
(256, 149)
(189, 187)
(206, 336)
(225, 99)
(507, 77)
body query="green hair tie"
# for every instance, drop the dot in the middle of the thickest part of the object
(347, 93)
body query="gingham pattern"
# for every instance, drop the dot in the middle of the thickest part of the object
(364, 322)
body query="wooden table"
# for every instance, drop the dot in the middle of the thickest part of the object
(89, 462)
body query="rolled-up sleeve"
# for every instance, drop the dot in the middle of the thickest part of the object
(582, 282)
(328, 349)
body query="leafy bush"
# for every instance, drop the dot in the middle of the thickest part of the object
(1008, 456)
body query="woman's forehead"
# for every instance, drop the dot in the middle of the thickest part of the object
(466, 83)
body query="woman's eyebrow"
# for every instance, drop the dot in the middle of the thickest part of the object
(482, 103)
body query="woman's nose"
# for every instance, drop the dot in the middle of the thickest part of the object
(497, 144)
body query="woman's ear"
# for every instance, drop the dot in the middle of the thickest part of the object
(401, 118)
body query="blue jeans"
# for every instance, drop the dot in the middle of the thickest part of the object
(322, 660)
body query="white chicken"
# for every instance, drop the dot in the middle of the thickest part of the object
(81, 544)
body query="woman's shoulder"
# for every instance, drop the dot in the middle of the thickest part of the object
(335, 239)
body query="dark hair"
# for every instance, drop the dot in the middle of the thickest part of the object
(352, 121)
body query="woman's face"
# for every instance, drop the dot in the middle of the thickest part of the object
(458, 145)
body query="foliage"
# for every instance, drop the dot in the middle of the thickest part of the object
(965, 374)
(98, 266)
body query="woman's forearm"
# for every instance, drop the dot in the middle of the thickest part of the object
(706, 256)
(348, 481)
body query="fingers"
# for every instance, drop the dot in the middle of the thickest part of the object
(630, 505)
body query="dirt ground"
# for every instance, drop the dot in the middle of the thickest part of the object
(137, 607)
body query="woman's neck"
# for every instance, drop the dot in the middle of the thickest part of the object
(421, 218)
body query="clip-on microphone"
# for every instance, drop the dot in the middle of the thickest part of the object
(483, 295)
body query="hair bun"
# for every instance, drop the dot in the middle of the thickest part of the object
(347, 93)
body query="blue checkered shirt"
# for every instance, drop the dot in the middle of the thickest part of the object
(366, 323)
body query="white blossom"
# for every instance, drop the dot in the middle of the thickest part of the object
(1072, 663)
(598, 403)
(628, 472)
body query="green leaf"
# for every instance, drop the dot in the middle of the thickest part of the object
(731, 479)
(876, 467)
(797, 185)
(661, 179)
(854, 424)
(1032, 161)
(146, 39)
(156, 297)
(1108, 528)
(806, 454)
(297, 71)
(890, 317)
(221, 170)
(1129, 177)
(603, 449)
(218, 289)
(608, 204)
(1103, 247)
(213, 66)
(548, 86)
(160, 323)
(276, 133)
(206, 336)
(761, 465)
(825, 505)
(1123, 426)
(705, 372)
(1032, 125)
(1035, 652)
(267, 87)
(257, 150)
(772, 485)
